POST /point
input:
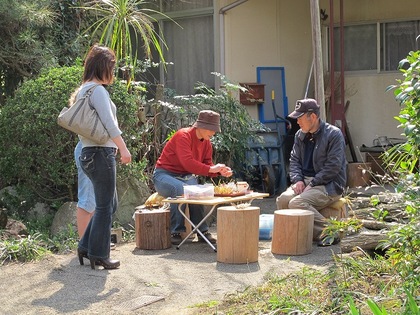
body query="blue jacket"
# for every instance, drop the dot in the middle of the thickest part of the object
(329, 159)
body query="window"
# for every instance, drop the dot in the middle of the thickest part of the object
(397, 40)
(181, 5)
(359, 47)
(361, 44)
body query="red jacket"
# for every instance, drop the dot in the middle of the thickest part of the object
(186, 154)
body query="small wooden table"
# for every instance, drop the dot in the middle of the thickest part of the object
(213, 202)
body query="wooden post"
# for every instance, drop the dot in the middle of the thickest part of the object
(153, 229)
(317, 56)
(237, 234)
(292, 232)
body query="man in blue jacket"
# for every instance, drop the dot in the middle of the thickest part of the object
(317, 166)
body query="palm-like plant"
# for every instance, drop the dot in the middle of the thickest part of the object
(122, 25)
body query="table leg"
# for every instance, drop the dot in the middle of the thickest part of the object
(195, 227)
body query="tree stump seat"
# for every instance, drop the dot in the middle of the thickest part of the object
(237, 234)
(153, 229)
(292, 232)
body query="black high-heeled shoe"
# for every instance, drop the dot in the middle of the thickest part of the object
(106, 263)
(82, 254)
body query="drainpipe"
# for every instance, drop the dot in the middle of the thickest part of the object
(222, 12)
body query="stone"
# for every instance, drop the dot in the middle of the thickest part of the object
(15, 229)
(65, 215)
(131, 193)
(39, 211)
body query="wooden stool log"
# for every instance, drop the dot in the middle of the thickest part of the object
(153, 229)
(338, 209)
(237, 235)
(292, 232)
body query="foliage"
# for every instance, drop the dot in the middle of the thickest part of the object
(352, 286)
(373, 284)
(338, 227)
(65, 241)
(22, 249)
(35, 35)
(407, 93)
(403, 242)
(37, 244)
(37, 153)
(30, 132)
(66, 37)
(128, 235)
(25, 41)
(412, 308)
(121, 25)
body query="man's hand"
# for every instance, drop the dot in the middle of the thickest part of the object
(299, 187)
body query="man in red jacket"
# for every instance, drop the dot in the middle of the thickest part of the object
(186, 155)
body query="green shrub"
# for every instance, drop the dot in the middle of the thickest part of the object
(37, 154)
(403, 243)
(406, 156)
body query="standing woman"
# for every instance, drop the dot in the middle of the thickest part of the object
(98, 161)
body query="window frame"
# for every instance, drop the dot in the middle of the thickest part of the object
(379, 41)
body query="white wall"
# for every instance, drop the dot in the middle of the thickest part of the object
(372, 110)
(278, 33)
(260, 34)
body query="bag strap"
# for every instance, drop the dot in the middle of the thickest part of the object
(89, 92)
(87, 95)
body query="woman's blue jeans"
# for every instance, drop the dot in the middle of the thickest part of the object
(99, 164)
(169, 184)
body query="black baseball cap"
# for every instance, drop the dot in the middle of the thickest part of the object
(307, 105)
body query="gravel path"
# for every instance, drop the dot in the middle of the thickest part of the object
(181, 278)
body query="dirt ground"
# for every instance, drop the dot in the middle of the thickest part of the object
(179, 278)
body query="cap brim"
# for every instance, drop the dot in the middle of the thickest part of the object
(295, 114)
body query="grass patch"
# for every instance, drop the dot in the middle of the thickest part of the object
(39, 243)
(351, 286)
(23, 249)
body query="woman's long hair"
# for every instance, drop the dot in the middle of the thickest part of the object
(99, 64)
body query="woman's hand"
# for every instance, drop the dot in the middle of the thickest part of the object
(222, 169)
(216, 168)
(125, 156)
(226, 172)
